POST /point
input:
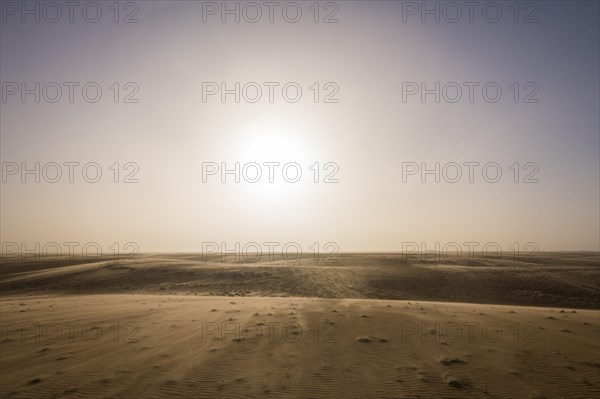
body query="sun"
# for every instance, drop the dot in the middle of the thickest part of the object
(272, 143)
(274, 161)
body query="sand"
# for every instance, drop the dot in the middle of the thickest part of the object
(212, 337)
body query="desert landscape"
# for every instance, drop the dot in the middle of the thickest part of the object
(367, 325)
(314, 199)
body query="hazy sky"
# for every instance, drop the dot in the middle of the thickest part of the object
(366, 61)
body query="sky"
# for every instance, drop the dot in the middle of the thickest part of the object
(348, 99)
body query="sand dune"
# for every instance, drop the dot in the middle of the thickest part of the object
(173, 326)
(157, 346)
(560, 279)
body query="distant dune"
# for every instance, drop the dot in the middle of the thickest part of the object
(552, 279)
(369, 326)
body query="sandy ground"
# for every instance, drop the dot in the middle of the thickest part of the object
(219, 331)
(551, 280)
